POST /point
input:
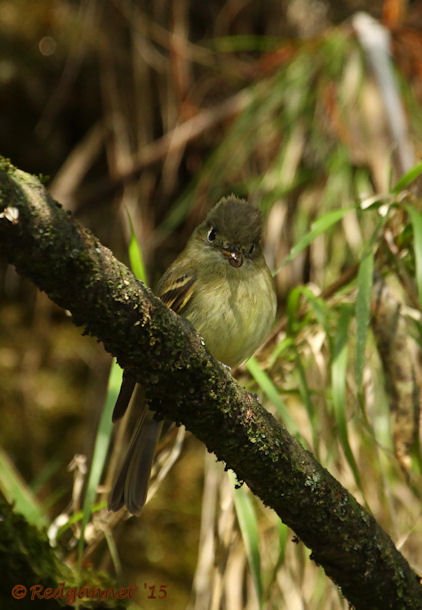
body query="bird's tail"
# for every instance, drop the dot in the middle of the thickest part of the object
(131, 485)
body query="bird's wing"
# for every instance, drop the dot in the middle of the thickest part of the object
(176, 289)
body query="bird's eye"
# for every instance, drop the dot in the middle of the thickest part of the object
(212, 234)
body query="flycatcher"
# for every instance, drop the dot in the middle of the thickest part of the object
(222, 285)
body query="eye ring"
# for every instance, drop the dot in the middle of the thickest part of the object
(212, 234)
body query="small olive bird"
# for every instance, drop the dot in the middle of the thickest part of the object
(222, 285)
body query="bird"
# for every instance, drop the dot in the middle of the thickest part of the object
(222, 285)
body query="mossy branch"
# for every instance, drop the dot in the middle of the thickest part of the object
(184, 383)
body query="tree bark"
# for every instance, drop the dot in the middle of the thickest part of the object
(186, 384)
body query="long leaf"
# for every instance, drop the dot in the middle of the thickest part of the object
(363, 310)
(135, 254)
(17, 492)
(407, 178)
(305, 394)
(416, 220)
(338, 387)
(102, 443)
(248, 524)
(317, 304)
(270, 390)
(318, 227)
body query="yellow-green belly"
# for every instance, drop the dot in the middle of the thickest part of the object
(235, 316)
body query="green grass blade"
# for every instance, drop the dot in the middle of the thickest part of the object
(324, 222)
(271, 392)
(338, 387)
(102, 443)
(363, 311)
(407, 179)
(76, 518)
(294, 322)
(416, 220)
(248, 524)
(136, 258)
(305, 394)
(317, 304)
(18, 493)
(283, 536)
(282, 347)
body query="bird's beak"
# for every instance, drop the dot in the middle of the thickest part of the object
(234, 257)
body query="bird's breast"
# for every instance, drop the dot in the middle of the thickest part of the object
(233, 311)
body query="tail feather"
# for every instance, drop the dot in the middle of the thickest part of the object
(131, 486)
(123, 399)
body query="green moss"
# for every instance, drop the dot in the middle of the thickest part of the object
(28, 561)
(26, 557)
(44, 179)
(6, 165)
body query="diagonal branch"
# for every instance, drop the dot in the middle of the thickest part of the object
(184, 383)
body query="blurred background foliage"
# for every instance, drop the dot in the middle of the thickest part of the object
(140, 115)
